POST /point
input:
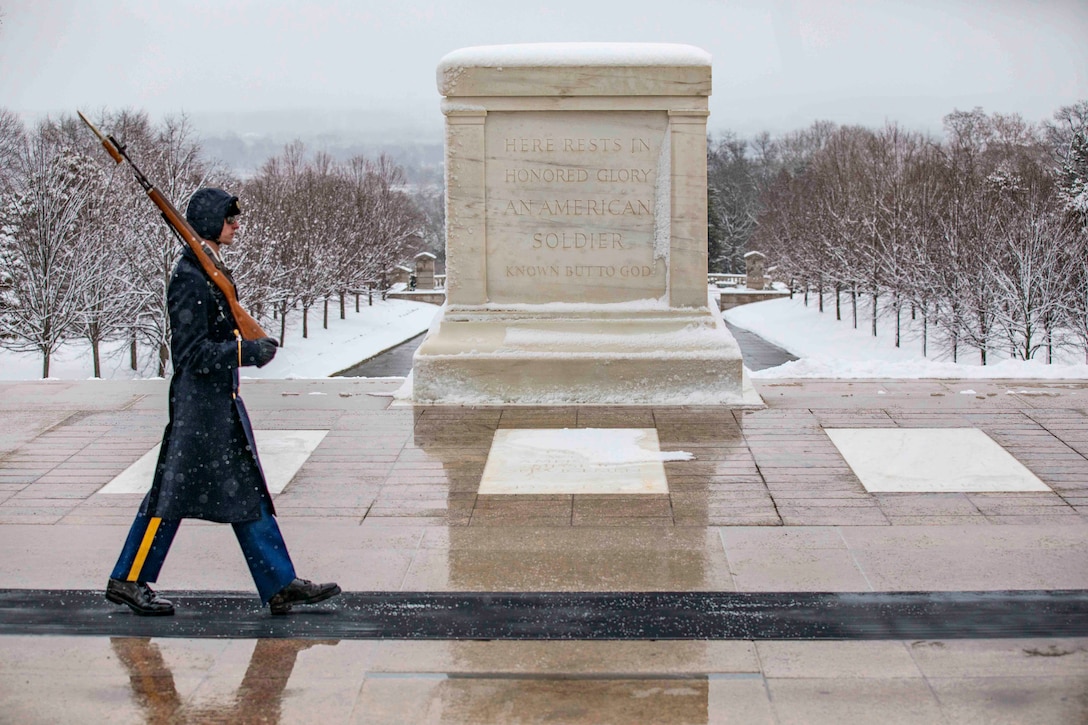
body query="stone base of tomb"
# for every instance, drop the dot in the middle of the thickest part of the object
(572, 355)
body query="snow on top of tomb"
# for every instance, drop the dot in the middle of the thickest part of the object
(575, 54)
(575, 69)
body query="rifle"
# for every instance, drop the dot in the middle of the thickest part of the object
(248, 327)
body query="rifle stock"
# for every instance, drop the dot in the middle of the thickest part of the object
(248, 327)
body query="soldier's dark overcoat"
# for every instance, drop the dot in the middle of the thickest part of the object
(208, 466)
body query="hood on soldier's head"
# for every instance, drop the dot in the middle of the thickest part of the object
(207, 209)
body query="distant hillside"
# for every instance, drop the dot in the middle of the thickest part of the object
(244, 141)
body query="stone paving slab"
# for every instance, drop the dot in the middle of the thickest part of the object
(389, 502)
(401, 469)
(539, 556)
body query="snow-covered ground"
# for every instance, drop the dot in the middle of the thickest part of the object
(827, 348)
(360, 336)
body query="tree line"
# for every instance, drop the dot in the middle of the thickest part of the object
(981, 237)
(84, 255)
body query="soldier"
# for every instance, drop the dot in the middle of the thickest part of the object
(208, 466)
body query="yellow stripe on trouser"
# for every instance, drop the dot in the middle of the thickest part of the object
(145, 546)
(238, 335)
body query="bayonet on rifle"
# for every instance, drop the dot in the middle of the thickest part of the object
(249, 328)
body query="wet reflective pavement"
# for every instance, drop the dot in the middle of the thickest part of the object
(766, 512)
(137, 680)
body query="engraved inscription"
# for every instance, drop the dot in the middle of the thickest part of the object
(578, 240)
(571, 203)
(577, 207)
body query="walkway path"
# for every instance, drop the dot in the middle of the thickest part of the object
(396, 362)
(766, 512)
(758, 353)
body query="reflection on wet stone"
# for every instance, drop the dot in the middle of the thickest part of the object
(510, 699)
(258, 699)
(153, 687)
(583, 542)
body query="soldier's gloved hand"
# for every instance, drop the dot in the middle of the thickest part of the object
(259, 352)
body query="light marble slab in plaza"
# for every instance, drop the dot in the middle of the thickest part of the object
(576, 461)
(576, 231)
(282, 453)
(939, 460)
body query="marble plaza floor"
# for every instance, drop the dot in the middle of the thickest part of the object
(951, 515)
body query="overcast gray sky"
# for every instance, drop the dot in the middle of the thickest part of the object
(778, 64)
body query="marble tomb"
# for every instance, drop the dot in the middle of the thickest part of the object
(576, 232)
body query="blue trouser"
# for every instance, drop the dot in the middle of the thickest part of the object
(262, 544)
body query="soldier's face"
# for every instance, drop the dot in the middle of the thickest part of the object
(230, 226)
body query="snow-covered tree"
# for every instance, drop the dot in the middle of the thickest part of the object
(171, 157)
(1075, 302)
(388, 224)
(49, 189)
(732, 203)
(1026, 268)
(105, 297)
(430, 200)
(327, 227)
(970, 230)
(12, 138)
(1068, 139)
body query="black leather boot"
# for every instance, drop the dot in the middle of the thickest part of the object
(139, 597)
(301, 591)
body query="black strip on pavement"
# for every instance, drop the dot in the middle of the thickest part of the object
(566, 616)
